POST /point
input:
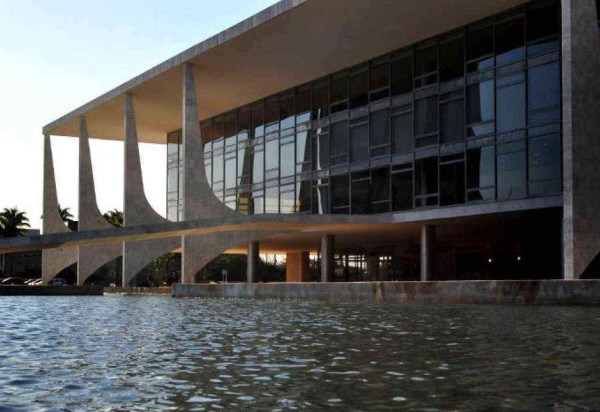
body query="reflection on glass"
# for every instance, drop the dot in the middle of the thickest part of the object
(287, 159)
(272, 200)
(510, 103)
(481, 173)
(512, 173)
(402, 129)
(359, 141)
(452, 121)
(543, 94)
(544, 165)
(480, 108)
(510, 41)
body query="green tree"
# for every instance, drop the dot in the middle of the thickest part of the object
(13, 223)
(114, 217)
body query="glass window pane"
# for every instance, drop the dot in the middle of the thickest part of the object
(452, 121)
(380, 182)
(402, 129)
(243, 123)
(426, 115)
(320, 101)
(258, 174)
(380, 128)
(320, 197)
(272, 199)
(426, 176)
(272, 114)
(340, 186)
(287, 199)
(286, 112)
(230, 129)
(510, 41)
(218, 164)
(452, 183)
(258, 119)
(287, 160)
(402, 191)
(272, 158)
(359, 90)
(543, 28)
(426, 65)
(339, 143)
(339, 94)
(303, 105)
(402, 76)
(303, 202)
(359, 140)
(480, 108)
(543, 93)
(480, 49)
(320, 157)
(230, 173)
(218, 129)
(544, 165)
(511, 104)
(452, 60)
(361, 197)
(481, 168)
(302, 152)
(379, 83)
(258, 204)
(244, 164)
(512, 174)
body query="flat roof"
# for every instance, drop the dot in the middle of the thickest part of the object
(285, 45)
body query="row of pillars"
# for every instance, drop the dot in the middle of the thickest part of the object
(297, 263)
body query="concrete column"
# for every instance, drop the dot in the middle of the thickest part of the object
(373, 267)
(427, 252)
(57, 259)
(327, 263)
(253, 261)
(581, 127)
(297, 267)
(91, 257)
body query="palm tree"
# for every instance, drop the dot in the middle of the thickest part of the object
(114, 217)
(67, 217)
(13, 223)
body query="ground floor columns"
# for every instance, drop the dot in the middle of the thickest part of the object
(297, 267)
(427, 252)
(327, 259)
(253, 259)
(373, 267)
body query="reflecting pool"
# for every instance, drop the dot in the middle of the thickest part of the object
(117, 352)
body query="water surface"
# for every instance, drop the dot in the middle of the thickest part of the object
(120, 352)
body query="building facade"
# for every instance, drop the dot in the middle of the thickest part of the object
(451, 140)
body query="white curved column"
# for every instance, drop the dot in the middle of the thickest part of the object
(53, 260)
(91, 257)
(137, 210)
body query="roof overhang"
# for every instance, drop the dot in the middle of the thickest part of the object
(290, 43)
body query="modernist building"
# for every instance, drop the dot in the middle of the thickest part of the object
(425, 139)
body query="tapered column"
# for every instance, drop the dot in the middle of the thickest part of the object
(327, 258)
(427, 252)
(90, 257)
(252, 272)
(137, 210)
(53, 260)
(581, 126)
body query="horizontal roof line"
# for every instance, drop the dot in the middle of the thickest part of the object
(212, 42)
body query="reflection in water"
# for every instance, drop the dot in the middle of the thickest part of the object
(162, 353)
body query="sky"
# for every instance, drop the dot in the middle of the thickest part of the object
(56, 55)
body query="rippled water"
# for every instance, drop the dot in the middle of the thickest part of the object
(160, 353)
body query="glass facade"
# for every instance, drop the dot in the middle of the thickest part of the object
(470, 116)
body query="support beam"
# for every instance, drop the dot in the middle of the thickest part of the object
(297, 267)
(581, 126)
(327, 263)
(53, 260)
(252, 272)
(91, 257)
(137, 210)
(427, 252)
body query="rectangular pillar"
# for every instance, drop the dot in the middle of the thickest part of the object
(373, 267)
(427, 252)
(581, 146)
(253, 259)
(297, 267)
(327, 263)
